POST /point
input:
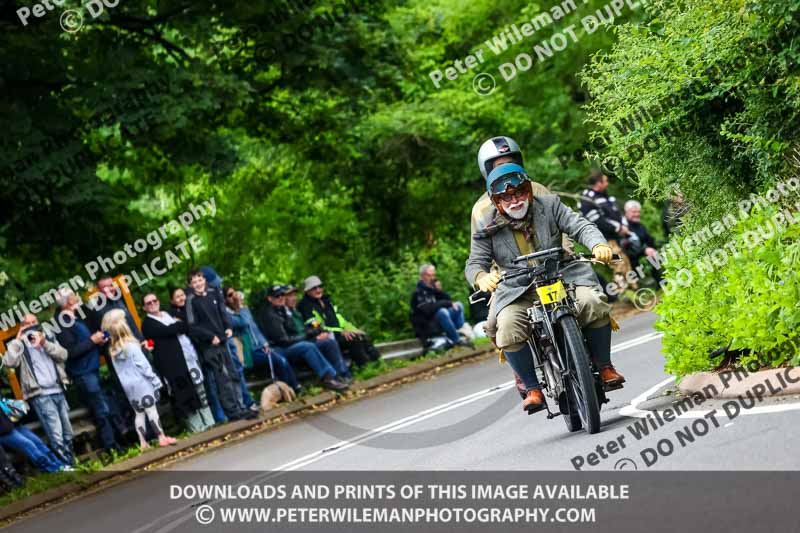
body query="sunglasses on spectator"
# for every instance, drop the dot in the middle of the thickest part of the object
(151, 302)
(317, 287)
(230, 294)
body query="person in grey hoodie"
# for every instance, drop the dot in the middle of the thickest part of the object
(39, 361)
(136, 376)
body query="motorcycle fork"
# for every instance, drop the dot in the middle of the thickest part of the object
(539, 342)
(543, 346)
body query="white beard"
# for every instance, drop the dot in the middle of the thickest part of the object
(520, 212)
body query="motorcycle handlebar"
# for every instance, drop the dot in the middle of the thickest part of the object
(473, 298)
(553, 251)
(535, 255)
(614, 257)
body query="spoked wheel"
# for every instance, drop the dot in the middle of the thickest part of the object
(580, 387)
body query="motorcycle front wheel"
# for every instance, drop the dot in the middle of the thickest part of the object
(570, 412)
(580, 387)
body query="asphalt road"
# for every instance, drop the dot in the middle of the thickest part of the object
(466, 418)
(456, 422)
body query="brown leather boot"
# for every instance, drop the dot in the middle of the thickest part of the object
(610, 376)
(534, 401)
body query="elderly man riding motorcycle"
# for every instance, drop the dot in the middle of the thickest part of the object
(522, 220)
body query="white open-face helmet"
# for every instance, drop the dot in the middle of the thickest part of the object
(494, 148)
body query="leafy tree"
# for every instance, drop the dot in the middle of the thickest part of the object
(314, 125)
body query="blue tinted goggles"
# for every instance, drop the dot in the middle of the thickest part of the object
(506, 176)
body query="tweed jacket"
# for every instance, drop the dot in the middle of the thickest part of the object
(551, 220)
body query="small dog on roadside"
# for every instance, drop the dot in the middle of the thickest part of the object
(273, 394)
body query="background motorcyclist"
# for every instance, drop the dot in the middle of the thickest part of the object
(522, 222)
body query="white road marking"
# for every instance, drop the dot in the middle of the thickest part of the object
(392, 427)
(331, 450)
(636, 342)
(632, 409)
(429, 413)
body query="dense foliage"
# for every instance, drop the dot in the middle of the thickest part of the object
(760, 282)
(318, 132)
(717, 90)
(314, 125)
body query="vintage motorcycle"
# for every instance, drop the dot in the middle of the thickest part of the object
(561, 357)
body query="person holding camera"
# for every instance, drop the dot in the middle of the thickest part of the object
(318, 350)
(39, 362)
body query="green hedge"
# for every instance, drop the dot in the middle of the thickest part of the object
(743, 296)
(711, 90)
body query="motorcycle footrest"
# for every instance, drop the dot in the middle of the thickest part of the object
(533, 410)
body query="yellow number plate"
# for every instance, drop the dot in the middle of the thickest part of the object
(552, 293)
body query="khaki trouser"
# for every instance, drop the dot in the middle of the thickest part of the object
(512, 327)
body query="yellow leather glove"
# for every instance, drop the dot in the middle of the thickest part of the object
(487, 281)
(603, 253)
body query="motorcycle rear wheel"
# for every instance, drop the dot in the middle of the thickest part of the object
(581, 384)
